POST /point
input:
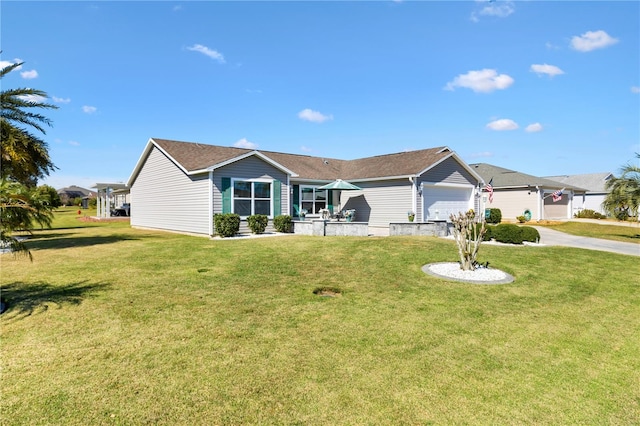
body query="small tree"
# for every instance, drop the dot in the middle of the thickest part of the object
(468, 233)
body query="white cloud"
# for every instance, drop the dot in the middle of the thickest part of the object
(244, 143)
(61, 100)
(306, 149)
(4, 64)
(213, 54)
(550, 70)
(499, 10)
(635, 89)
(533, 128)
(551, 46)
(33, 98)
(484, 81)
(592, 40)
(89, 109)
(502, 124)
(313, 116)
(29, 75)
(74, 143)
(481, 154)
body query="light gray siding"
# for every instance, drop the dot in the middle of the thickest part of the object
(166, 198)
(513, 202)
(380, 202)
(250, 168)
(448, 172)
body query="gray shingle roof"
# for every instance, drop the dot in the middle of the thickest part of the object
(196, 156)
(506, 178)
(592, 182)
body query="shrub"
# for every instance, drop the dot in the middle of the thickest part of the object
(521, 219)
(226, 224)
(282, 223)
(495, 216)
(507, 233)
(258, 223)
(589, 214)
(488, 235)
(530, 234)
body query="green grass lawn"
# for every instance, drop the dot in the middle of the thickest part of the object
(111, 325)
(627, 234)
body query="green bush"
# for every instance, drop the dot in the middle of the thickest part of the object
(530, 234)
(258, 223)
(521, 219)
(507, 233)
(488, 235)
(589, 214)
(495, 216)
(282, 223)
(226, 224)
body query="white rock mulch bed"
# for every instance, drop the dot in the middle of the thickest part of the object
(452, 271)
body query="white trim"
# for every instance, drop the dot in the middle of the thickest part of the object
(249, 154)
(449, 185)
(458, 160)
(261, 180)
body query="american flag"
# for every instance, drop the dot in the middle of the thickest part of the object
(557, 196)
(489, 188)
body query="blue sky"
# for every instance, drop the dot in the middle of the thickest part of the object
(545, 88)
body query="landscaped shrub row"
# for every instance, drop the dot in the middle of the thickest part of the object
(512, 234)
(228, 224)
(589, 214)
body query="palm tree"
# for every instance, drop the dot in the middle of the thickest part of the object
(623, 199)
(25, 157)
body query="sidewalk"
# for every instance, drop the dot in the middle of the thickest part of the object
(551, 237)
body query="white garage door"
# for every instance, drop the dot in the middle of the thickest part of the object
(442, 201)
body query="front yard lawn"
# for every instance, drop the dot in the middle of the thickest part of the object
(111, 325)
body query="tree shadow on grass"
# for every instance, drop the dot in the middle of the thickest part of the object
(79, 241)
(630, 237)
(22, 299)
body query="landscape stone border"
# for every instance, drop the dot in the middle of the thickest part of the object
(508, 279)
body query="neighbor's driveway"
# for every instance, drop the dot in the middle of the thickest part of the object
(551, 237)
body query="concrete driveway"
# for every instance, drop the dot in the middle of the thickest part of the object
(551, 237)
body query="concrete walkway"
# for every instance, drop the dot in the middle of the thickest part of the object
(551, 237)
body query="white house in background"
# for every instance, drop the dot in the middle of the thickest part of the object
(179, 186)
(594, 183)
(516, 193)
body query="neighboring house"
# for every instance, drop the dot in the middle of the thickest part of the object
(70, 193)
(515, 193)
(179, 186)
(594, 183)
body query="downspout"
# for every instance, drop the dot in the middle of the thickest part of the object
(414, 196)
(211, 203)
(540, 203)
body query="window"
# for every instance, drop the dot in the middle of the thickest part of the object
(251, 197)
(312, 200)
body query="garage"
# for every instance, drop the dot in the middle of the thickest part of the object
(442, 201)
(558, 209)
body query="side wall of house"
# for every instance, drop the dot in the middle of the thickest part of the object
(166, 198)
(250, 168)
(513, 202)
(379, 202)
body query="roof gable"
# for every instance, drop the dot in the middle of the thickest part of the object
(194, 158)
(593, 182)
(506, 178)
